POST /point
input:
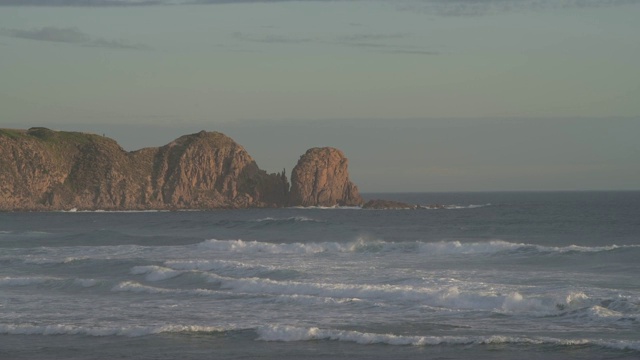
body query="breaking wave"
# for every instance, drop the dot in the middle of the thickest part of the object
(291, 333)
(292, 219)
(427, 248)
(129, 331)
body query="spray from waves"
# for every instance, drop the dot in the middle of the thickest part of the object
(379, 246)
(290, 333)
(129, 331)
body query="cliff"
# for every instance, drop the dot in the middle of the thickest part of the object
(41, 169)
(321, 179)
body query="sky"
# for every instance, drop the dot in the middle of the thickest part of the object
(421, 95)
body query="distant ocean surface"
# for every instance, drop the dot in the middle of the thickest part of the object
(536, 275)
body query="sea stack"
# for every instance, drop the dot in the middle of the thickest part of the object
(321, 178)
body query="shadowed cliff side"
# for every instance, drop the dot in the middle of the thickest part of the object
(321, 178)
(41, 169)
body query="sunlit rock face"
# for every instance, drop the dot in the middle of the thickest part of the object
(321, 178)
(41, 169)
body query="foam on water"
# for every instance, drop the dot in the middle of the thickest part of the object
(292, 333)
(285, 333)
(446, 297)
(288, 220)
(426, 248)
(230, 267)
(26, 280)
(155, 273)
(129, 331)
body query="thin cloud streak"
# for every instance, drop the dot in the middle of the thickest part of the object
(375, 42)
(69, 36)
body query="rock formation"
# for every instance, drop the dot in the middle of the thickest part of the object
(321, 179)
(41, 169)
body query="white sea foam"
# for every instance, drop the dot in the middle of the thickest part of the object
(229, 267)
(85, 282)
(132, 286)
(454, 247)
(48, 260)
(291, 333)
(458, 207)
(155, 273)
(129, 331)
(264, 247)
(289, 219)
(445, 297)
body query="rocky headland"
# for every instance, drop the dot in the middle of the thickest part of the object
(42, 169)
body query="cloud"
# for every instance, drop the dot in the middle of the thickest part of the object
(69, 36)
(383, 43)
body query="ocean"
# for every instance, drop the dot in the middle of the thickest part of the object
(496, 275)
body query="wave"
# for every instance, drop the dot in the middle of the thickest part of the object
(134, 287)
(288, 220)
(335, 207)
(50, 261)
(434, 297)
(155, 273)
(453, 206)
(285, 333)
(129, 331)
(568, 306)
(46, 280)
(427, 248)
(26, 280)
(291, 333)
(228, 267)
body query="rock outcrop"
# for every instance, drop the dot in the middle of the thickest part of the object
(41, 169)
(321, 179)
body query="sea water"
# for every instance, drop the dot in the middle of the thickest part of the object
(485, 276)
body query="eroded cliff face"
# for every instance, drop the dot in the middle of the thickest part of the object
(41, 169)
(321, 178)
